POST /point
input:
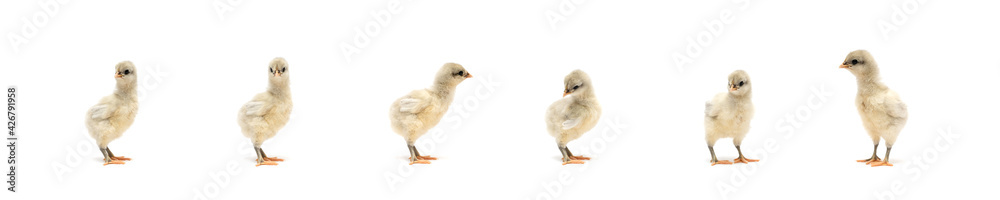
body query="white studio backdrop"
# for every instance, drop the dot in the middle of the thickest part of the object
(653, 65)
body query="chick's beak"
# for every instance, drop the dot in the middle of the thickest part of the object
(469, 75)
(278, 74)
(118, 75)
(844, 66)
(566, 92)
(732, 88)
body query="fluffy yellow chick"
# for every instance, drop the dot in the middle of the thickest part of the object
(107, 120)
(728, 115)
(882, 112)
(568, 118)
(262, 117)
(414, 114)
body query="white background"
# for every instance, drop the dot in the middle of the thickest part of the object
(198, 66)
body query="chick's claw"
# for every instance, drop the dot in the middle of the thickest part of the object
(266, 163)
(273, 159)
(573, 162)
(722, 162)
(426, 158)
(870, 160)
(881, 163)
(744, 160)
(420, 162)
(114, 162)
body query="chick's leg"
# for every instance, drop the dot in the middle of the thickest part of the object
(874, 157)
(260, 157)
(107, 158)
(422, 157)
(567, 159)
(571, 156)
(415, 157)
(717, 161)
(113, 157)
(888, 148)
(264, 155)
(742, 159)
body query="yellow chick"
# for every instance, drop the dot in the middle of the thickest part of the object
(883, 113)
(414, 114)
(728, 115)
(568, 118)
(115, 113)
(262, 117)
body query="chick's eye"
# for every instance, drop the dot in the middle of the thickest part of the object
(576, 87)
(461, 73)
(854, 62)
(741, 83)
(271, 69)
(283, 69)
(126, 72)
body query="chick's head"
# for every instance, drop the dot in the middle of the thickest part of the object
(278, 71)
(860, 63)
(577, 82)
(125, 74)
(739, 83)
(452, 74)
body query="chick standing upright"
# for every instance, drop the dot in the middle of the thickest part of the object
(882, 112)
(568, 118)
(265, 114)
(414, 114)
(115, 113)
(728, 115)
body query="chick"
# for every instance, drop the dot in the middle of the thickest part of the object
(728, 115)
(882, 112)
(568, 118)
(265, 114)
(107, 120)
(417, 112)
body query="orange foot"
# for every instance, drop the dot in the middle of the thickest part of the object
(871, 160)
(420, 162)
(120, 158)
(579, 158)
(426, 158)
(273, 159)
(881, 163)
(722, 162)
(117, 162)
(744, 160)
(573, 162)
(266, 163)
